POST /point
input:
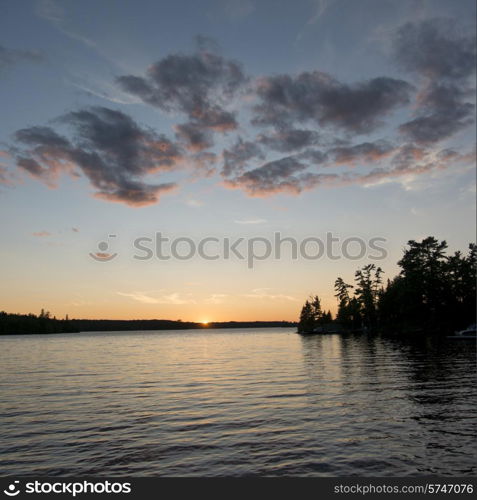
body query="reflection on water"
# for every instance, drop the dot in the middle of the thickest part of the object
(236, 402)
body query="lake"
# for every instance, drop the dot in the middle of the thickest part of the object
(235, 402)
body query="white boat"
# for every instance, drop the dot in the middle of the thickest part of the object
(468, 333)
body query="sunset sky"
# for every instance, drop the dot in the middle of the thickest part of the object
(226, 119)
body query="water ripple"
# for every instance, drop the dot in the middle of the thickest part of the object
(234, 403)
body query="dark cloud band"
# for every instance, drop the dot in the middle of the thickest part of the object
(304, 123)
(108, 147)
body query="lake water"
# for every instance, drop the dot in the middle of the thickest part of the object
(236, 402)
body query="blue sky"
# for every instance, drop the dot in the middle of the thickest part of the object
(226, 119)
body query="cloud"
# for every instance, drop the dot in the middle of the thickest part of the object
(140, 297)
(100, 87)
(319, 11)
(172, 298)
(409, 154)
(436, 49)
(58, 13)
(216, 298)
(286, 175)
(236, 158)
(302, 123)
(409, 161)
(264, 294)
(55, 13)
(202, 164)
(196, 137)
(366, 152)
(108, 147)
(444, 56)
(6, 177)
(319, 98)
(42, 234)
(288, 140)
(291, 176)
(11, 57)
(321, 7)
(237, 9)
(3, 175)
(199, 85)
(271, 177)
(50, 10)
(442, 112)
(315, 156)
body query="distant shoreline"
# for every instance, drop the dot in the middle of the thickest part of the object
(16, 324)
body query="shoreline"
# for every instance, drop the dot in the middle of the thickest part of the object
(129, 326)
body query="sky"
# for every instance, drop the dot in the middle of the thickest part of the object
(219, 122)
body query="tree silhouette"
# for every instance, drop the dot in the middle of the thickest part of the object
(433, 293)
(368, 286)
(312, 315)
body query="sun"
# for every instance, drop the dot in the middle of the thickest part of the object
(205, 323)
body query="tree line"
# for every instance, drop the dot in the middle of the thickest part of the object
(45, 323)
(433, 292)
(32, 323)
